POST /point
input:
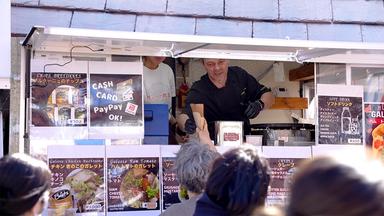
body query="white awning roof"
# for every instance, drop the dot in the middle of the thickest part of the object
(54, 39)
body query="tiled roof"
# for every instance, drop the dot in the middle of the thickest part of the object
(346, 20)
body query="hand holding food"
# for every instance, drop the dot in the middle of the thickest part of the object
(204, 135)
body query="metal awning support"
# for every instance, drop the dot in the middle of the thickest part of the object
(55, 39)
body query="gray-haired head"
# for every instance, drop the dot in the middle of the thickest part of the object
(193, 165)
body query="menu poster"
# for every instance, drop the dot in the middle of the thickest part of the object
(340, 120)
(340, 114)
(133, 176)
(283, 162)
(59, 96)
(77, 182)
(282, 170)
(59, 99)
(374, 127)
(77, 185)
(116, 100)
(170, 184)
(133, 184)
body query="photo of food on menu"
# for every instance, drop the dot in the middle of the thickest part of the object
(133, 184)
(59, 99)
(374, 128)
(77, 186)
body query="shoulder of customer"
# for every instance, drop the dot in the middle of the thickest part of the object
(185, 208)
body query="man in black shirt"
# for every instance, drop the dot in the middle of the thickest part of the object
(228, 94)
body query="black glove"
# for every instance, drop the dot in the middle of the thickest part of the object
(254, 109)
(190, 126)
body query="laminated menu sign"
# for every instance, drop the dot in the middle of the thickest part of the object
(133, 184)
(374, 127)
(116, 100)
(77, 186)
(283, 162)
(171, 193)
(170, 183)
(282, 170)
(340, 117)
(59, 99)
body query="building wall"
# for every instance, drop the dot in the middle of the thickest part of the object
(15, 95)
(345, 20)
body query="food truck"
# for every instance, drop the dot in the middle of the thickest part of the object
(84, 111)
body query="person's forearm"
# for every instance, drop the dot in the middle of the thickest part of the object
(181, 121)
(268, 99)
(172, 120)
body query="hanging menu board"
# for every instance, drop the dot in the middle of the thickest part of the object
(77, 183)
(283, 162)
(133, 180)
(340, 119)
(374, 127)
(58, 100)
(116, 107)
(170, 184)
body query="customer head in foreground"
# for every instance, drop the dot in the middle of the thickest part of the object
(24, 185)
(337, 186)
(193, 165)
(238, 184)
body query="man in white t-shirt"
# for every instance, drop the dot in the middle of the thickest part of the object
(159, 83)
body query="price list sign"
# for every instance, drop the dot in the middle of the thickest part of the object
(282, 170)
(170, 183)
(339, 114)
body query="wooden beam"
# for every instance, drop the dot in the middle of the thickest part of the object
(305, 72)
(290, 103)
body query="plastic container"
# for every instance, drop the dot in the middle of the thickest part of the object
(256, 140)
(229, 133)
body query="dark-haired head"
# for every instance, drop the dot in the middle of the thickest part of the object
(337, 186)
(239, 181)
(23, 181)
